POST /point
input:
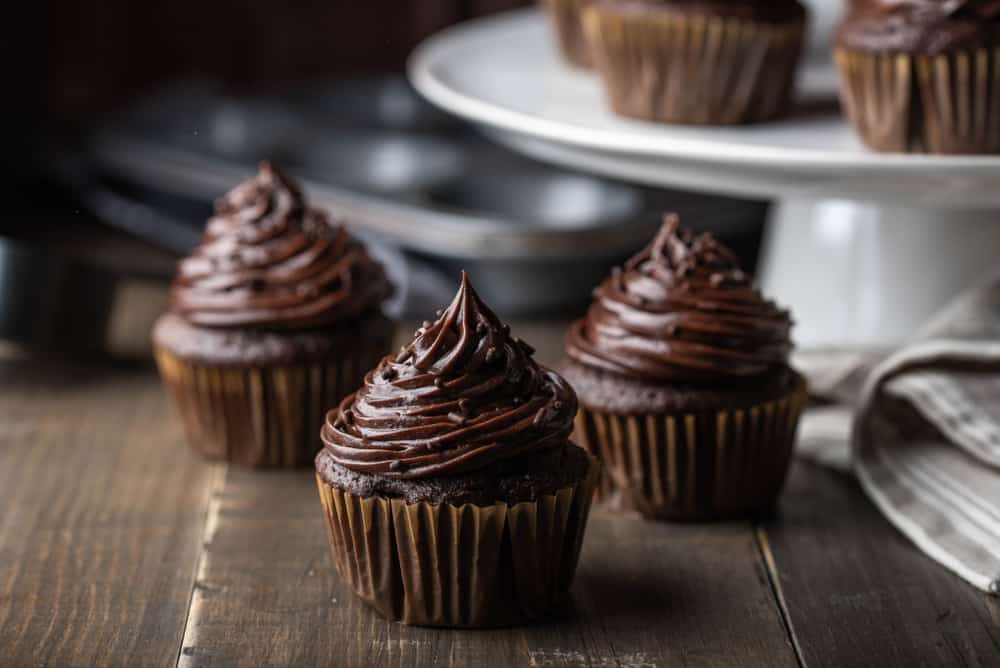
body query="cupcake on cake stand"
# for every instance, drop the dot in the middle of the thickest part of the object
(862, 246)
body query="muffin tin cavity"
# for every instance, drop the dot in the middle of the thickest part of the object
(546, 198)
(379, 161)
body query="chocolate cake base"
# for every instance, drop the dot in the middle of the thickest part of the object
(614, 393)
(511, 481)
(211, 346)
(433, 563)
(685, 452)
(258, 398)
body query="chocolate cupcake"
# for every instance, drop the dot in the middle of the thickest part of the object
(452, 493)
(276, 315)
(686, 395)
(704, 62)
(919, 76)
(567, 22)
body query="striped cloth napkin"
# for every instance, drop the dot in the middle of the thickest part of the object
(920, 427)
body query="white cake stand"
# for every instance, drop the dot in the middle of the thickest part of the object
(862, 246)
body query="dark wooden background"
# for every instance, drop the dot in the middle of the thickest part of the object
(88, 55)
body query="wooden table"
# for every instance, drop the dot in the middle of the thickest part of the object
(118, 546)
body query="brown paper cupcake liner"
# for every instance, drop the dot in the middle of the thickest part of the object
(694, 69)
(260, 416)
(711, 465)
(948, 103)
(567, 22)
(462, 566)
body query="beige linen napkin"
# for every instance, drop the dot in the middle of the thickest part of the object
(920, 428)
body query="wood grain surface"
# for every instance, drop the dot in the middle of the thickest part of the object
(120, 547)
(858, 593)
(101, 514)
(645, 595)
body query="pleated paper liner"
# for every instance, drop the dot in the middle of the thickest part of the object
(462, 566)
(261, 416)
(567, 20)
(696, 466)
(693, 69)
(948, 103)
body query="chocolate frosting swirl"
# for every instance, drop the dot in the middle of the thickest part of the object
(269, 261)
(681, 310)
(463, 395)
(928, 26)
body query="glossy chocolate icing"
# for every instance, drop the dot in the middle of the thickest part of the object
(681, 311)
(463, 395)
(269, 261)
(923, 26)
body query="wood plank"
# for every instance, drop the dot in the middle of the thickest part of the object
(646, 595)
(859, 594)
(101, 512)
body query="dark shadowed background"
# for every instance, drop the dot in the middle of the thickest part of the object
(106, 93)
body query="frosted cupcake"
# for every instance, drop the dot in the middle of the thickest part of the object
(919, 76)
(452, 493)
(686, 395)
(703, 62)
(276, 315)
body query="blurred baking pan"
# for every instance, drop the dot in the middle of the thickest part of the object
(402, 174)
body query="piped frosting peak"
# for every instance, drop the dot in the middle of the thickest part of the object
(681, 310)
(463, 394)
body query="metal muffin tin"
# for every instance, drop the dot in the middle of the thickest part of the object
(534, 237)
(387, 163)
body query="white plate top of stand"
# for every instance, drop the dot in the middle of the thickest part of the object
(504, 73)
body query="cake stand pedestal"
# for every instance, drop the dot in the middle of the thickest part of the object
(870, 274)
(863, 247)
